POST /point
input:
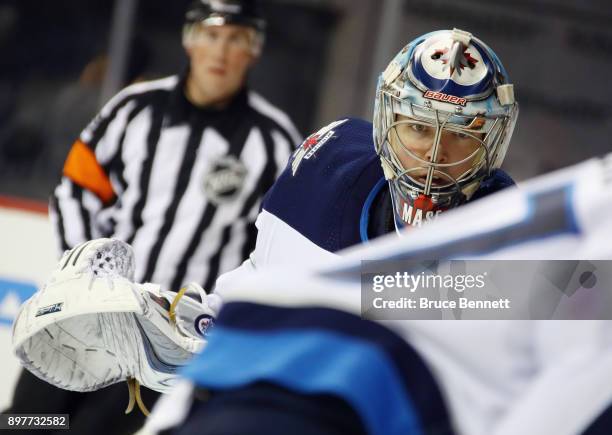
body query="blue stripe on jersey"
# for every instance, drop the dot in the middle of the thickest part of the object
(311, 362)
(365, 211)
(416, 376)
(570, 214)
(321, 350)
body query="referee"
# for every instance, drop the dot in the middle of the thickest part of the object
(177, 168)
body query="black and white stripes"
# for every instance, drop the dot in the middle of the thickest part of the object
(159, 153)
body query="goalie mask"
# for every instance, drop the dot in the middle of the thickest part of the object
(443, 118)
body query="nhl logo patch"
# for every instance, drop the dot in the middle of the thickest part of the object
(225, 180)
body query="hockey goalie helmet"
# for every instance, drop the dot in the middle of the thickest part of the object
(204, 13)
(443, 118)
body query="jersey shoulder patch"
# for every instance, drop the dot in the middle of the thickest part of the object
(323, 188)
(312, 144)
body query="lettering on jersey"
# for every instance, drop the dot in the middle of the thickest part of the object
(445, 98)
(224, 180)
(312, 144)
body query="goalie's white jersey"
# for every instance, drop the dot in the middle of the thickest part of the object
(497, 377)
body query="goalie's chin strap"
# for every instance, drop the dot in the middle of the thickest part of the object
(133, 384)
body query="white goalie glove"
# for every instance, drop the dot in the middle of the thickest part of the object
(90, 326)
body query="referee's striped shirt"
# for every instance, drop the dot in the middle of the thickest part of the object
(181, 184)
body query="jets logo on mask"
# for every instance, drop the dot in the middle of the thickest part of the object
(449, 59)
(225, 180)
(449, 65)
(462, 59)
